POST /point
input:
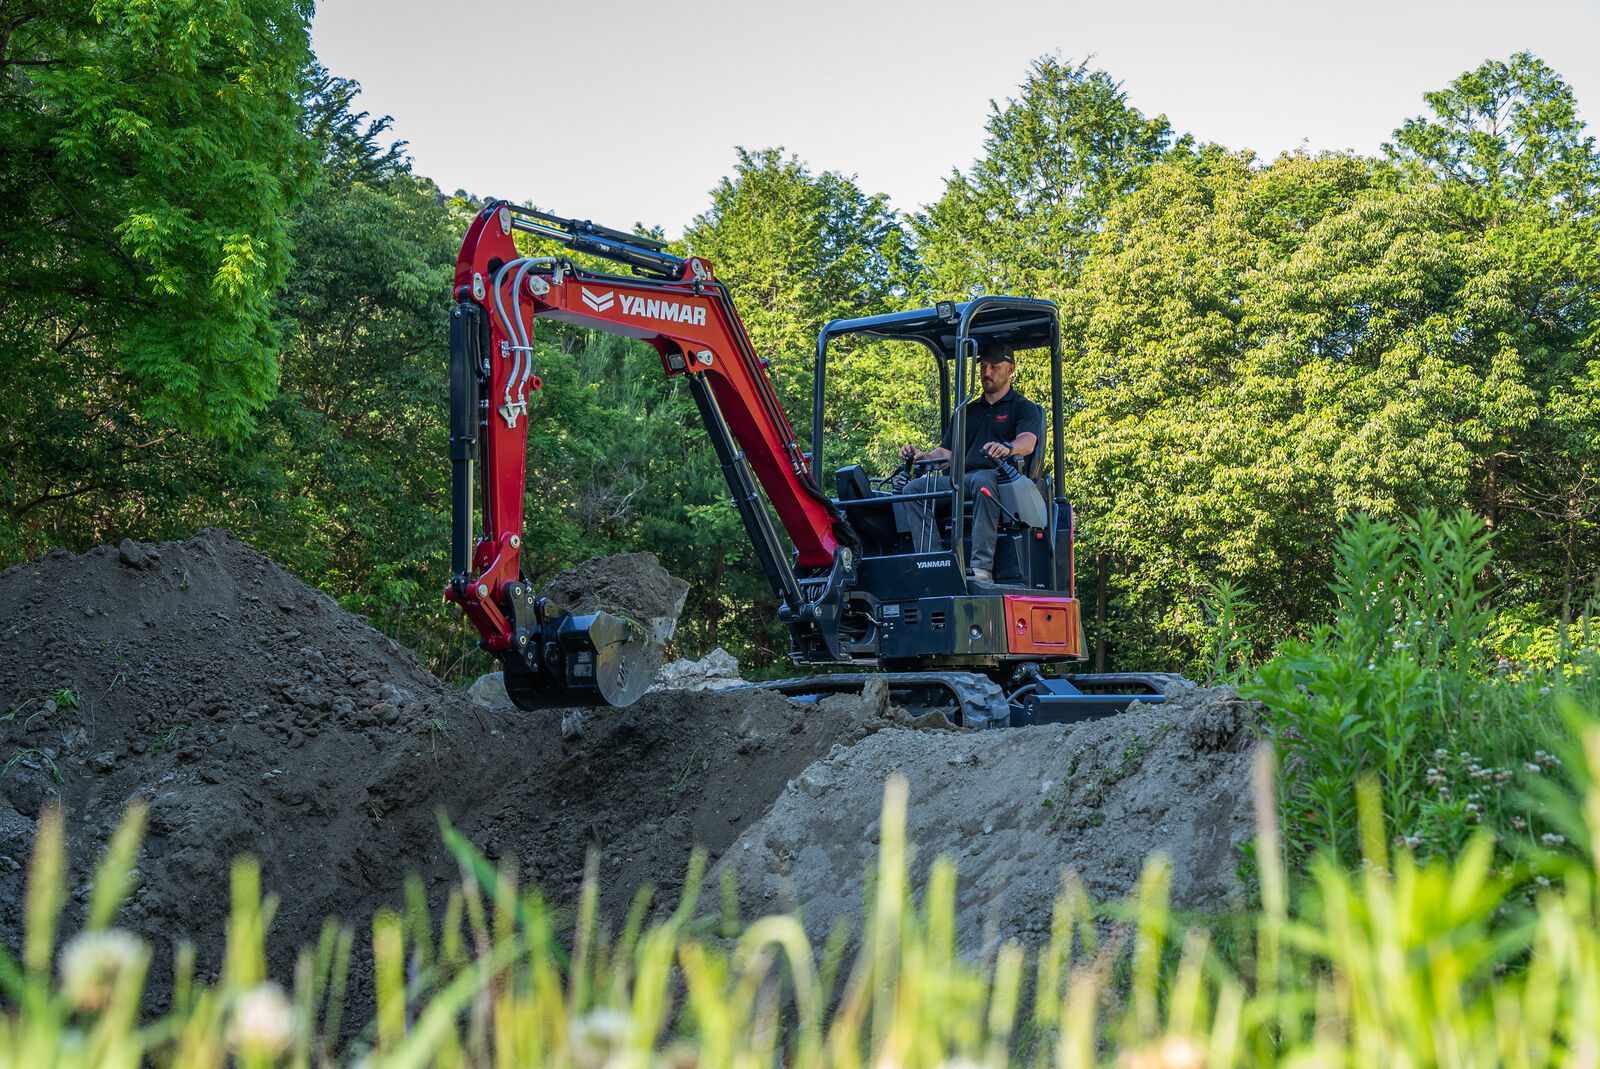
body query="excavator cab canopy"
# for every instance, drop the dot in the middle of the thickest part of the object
(954, 332)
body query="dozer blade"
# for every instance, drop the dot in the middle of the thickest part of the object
(594, 659)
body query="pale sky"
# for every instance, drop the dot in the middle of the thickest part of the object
(629, 110)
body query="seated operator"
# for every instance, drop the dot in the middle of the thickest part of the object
(1001, 423)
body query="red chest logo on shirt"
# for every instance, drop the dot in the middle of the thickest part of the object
(1000, 419)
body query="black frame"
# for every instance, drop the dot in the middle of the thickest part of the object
(954, 338)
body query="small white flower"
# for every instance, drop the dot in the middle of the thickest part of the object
(1519, 824)
(1552, 839)
(1174, 1052)
(92, 963)
(597, 1034)
(1529, 766)
(1542, 881)
(1544, 692)
(263, 1021)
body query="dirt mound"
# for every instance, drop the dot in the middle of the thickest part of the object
(257, 717)
(1015, 807)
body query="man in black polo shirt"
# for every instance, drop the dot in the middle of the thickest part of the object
(1001, 423)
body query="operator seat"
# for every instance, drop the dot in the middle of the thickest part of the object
(874, 523)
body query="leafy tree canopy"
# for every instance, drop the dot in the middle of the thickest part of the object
(150, 154)
(1504, 134)
(1056, 158)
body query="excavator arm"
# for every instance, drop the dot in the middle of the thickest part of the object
(550, 656)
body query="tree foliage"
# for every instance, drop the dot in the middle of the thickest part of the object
(149, 157)
(1056, 158)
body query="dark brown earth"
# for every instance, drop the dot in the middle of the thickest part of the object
(257, 717)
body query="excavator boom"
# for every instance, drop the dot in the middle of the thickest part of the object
(677, 306)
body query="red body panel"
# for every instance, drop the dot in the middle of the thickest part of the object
(1045, 626)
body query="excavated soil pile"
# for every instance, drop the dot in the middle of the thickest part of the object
(1015, 808)
(257, 717)
(633, 585)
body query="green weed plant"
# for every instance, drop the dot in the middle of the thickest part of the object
(1401, 688)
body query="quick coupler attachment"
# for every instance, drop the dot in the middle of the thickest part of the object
(567, 660)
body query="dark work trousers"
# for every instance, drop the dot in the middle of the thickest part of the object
(985, 514)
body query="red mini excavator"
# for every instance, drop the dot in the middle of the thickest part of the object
(853, 589)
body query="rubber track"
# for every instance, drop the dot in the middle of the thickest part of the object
(977, 700)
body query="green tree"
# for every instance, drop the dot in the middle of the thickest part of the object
(149, 157)
(1056, 158)
(1266, 350)
(797, 250)
(1504, 138)
(1506, 148)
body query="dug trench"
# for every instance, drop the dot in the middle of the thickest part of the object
(254, 716)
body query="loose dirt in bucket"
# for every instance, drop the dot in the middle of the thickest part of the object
(257, 717)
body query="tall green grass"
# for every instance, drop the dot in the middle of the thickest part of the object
(1403, 962)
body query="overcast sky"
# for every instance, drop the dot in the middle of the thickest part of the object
(625, 111)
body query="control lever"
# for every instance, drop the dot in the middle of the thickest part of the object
(902, 475)
(1012, 516)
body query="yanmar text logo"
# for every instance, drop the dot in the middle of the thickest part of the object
(933, 564)
(646, 307)
(674, 311)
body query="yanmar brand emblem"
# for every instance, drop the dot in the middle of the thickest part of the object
(673, 311)
(933, 564)
(599, 301)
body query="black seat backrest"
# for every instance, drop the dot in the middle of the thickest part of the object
(1036, 458)
(851, 483)
(877, 524)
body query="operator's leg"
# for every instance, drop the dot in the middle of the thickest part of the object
(924, 517)
(985, 515)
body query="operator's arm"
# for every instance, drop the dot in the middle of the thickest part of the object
(936, 453)
(1021, 446)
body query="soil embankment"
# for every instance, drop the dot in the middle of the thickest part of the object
(257, 717)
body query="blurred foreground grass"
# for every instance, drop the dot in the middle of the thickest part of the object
(1398, 963)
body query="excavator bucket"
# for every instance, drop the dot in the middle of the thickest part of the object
(591, 659)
